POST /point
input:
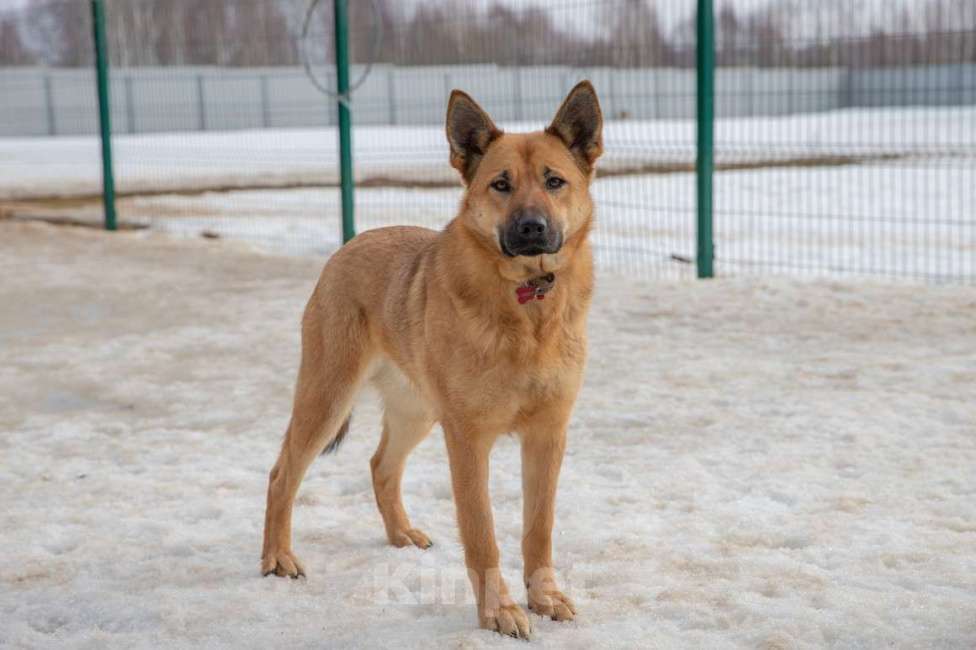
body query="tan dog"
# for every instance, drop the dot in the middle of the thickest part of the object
(480, 327)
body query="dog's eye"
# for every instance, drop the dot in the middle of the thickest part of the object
(554, 182)
(501, 185)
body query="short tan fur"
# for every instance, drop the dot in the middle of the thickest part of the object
(433, 320)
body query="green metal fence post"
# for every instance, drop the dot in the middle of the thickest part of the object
(705, 165)
(345, 119)
(104, 111)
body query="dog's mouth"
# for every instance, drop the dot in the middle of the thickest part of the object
(533, 249)
(501, 244)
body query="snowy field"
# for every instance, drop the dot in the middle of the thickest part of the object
(879, 193)
(872, 219)
(752, 464)
(70, 166)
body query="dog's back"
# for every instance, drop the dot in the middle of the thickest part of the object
(373, 265)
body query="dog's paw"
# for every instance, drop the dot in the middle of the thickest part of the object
(508, 619)
(552, 603)
(411, 536)
(282, 563)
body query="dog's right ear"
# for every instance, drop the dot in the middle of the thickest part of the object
(469, 132)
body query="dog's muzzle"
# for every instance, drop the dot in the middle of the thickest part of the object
(529, 233)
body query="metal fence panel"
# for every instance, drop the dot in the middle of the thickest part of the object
(838, 152)
(182, 98)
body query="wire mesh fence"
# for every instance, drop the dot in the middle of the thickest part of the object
(845, 134)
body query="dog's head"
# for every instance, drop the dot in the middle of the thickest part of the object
(527, 194)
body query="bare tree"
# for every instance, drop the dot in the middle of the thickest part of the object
(766, 32)
(628, 33)
(729, 39)
(62, 32)
(261, 34)
(634, 34)
(12, 48)
(135, 30)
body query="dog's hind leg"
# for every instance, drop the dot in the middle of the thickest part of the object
(331, 373)
(406, 421)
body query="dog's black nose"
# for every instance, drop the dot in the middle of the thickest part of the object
(529, 233)
(531, 225)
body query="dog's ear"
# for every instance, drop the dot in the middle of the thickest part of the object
(469, 132)
(579, 124)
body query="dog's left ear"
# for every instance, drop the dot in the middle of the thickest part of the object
(579, 124)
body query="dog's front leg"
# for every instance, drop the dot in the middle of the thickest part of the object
(468, 453)
(543, 445)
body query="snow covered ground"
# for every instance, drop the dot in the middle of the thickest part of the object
(904, 219)
(70, 166)
(905, 208)
(753, 464)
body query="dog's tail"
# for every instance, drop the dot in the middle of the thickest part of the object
(334, 445)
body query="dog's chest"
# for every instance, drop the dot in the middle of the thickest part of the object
(518, 383)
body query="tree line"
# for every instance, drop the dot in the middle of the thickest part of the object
(623, 33)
